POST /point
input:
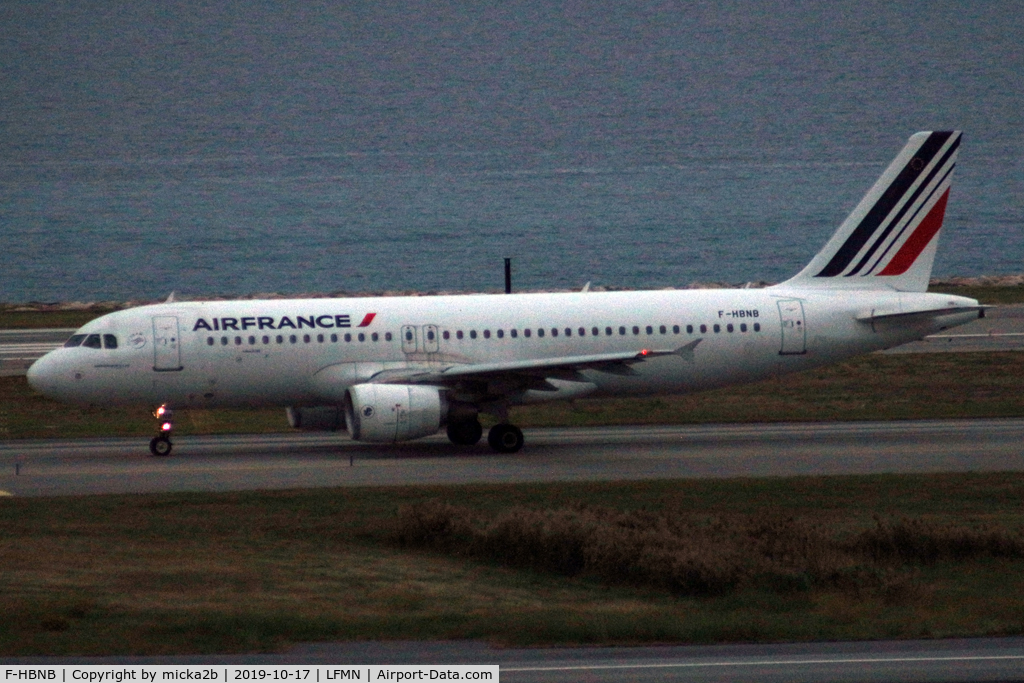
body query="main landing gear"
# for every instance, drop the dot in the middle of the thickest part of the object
(161, 445)
(465, 432)
(504, 438)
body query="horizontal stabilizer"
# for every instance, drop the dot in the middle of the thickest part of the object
(884, 315)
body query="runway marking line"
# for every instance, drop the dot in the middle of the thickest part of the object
(6, 493)
(788, 662)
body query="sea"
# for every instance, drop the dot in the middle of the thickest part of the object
(244, 148)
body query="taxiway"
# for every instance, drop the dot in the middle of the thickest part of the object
(226, 463)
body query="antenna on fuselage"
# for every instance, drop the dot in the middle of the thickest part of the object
(170, 299)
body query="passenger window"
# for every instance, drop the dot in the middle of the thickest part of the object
(689, 329)
(743, 327)
(526, 332)
(109, 341)
(757, 327)
(238, 341)
(387, 336)
(487, 334)
(266, 339)
(375, 337)
(568, 332)
(540, 331)
(209, 341)
(458, 335)
(92, 341)
(662, 329)
(446, 334)
(608, 331)
(703, 329)
(334, 338)
(728, 328)
(675, 329)
(594, 331)
(650, 330)
(554, 331)
(305, 338)
(362, 337)
(636, 330)
(76, 340)
(622, 330)
(348, 336)
(252, 341)
(718, 328)
(292, 338)
(513, 333)
(430, 335)
(582, 331)
(223, 341)
(320, 338)
(501, 334)
(408, 335)
(280, 339)
(472, 334)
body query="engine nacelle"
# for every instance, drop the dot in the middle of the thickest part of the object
(386, 413)
(317, 419)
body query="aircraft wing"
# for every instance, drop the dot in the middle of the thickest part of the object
(532, 369)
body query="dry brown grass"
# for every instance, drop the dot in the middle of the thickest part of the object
(701, 555)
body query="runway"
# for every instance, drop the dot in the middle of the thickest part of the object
(949, 661)
(231, 463)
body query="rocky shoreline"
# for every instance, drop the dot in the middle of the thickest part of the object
(36, 306)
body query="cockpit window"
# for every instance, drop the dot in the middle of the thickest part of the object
(109, 341)
(92, 341)
(76, 340)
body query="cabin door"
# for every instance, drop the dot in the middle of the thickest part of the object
(794, 330)
(166, 344)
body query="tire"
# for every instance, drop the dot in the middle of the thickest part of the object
(160, 446)
(465, 433)
(505, 438)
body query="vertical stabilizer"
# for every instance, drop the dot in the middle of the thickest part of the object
(889, 240)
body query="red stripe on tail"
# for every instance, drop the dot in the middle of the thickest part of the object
(916, 243)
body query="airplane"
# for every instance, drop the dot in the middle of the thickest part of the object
(392, 369)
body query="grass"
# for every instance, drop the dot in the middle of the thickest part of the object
(174, 573)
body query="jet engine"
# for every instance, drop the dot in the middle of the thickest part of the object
(386, 413)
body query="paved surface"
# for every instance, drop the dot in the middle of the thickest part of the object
(211, 463)
(1002, 329)
(995, 659)
(19, 348)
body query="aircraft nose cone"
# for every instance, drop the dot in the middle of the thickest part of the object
(42, 376)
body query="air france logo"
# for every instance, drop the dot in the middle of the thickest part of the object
(267, 322)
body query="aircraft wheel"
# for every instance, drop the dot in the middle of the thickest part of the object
(505, 438)
(465, 433)
(160, 446)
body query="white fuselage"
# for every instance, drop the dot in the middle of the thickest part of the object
(308, 351)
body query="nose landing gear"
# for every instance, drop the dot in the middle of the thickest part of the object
(160, 445)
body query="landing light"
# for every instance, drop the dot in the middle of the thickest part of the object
(166, 427)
